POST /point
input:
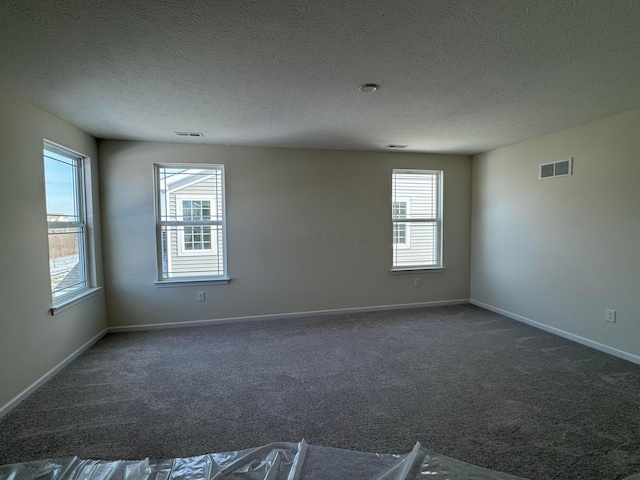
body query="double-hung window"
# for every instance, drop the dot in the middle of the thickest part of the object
(66, 222)
(190, 223)
(416, 216)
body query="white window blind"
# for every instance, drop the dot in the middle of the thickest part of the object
(416, 216)
(191, 222)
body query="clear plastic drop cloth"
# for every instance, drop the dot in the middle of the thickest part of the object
(275, 461)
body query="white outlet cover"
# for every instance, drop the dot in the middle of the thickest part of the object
(610, 315)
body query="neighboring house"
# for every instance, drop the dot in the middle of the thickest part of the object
(192, 195)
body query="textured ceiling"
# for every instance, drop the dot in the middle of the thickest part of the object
(455, 76)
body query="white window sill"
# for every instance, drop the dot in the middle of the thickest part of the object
(416, 269)
(183, 282)
(69, 302)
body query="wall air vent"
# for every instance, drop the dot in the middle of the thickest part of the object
(560, 168)
(189, 134)
(395, 145)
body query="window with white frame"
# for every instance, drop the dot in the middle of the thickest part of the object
(416, 216)
(197, 240)
(66, 222)
(401, 231)
(190, 222)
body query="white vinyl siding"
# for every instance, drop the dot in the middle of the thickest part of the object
(177, 185)
(416, 211)
(66, 222)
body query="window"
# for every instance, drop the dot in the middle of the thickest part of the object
(190, 223)
(401, 235)
(66, 222)
(195, 240)
(416, 216)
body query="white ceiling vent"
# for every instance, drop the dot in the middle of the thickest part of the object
(189, 134)
(560, 168)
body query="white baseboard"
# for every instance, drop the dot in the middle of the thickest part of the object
(38, 383)
(280, 316)
(561, 333)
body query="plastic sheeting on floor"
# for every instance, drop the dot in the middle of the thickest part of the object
(275, 461)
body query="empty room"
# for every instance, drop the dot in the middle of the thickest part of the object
(319, 239)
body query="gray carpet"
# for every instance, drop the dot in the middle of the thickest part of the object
(465, 382)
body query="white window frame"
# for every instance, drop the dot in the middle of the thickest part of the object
(80, 163)
(407, 230)
(438, 221)
(196, 279)
(179, 213)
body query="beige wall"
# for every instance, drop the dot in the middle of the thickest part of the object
(32, 342)
(310, 230)
(562, 250)
(307, 230)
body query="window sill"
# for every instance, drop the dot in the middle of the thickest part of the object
(191, 283)
(69, 302)
(400, 271)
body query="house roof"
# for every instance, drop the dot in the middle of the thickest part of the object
(179, 179)
(454, 76)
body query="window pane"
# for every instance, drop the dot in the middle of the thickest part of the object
(421, 189)
(66, 248)
(177, 183)
(61, 180)
(203, 251)
(164, 254)
(423, 249)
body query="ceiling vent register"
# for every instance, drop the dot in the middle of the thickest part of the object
(560, 168)
(189, 134)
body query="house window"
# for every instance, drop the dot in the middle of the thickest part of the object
(195, 240)
(401, 237)
(416, 216)
(190, 222)
(399, 234)
(66, 222)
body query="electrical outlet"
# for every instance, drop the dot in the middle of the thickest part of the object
(200, 296)
(610, 315)
(416, 282)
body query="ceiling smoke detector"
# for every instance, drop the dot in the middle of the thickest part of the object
(189, 134)
(395, 145)
(368, 88)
